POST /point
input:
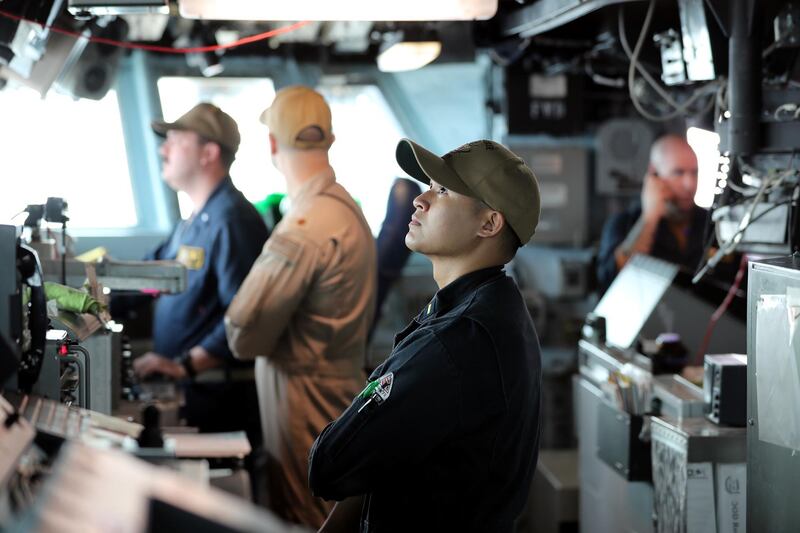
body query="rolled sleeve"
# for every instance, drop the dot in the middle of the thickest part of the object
(272, 291)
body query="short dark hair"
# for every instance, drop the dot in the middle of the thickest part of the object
(226, 155)
(509, 242)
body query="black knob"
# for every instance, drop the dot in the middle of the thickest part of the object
(151, 437)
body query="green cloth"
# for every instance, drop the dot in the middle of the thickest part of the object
(69, 299)
(273, 201)
(265, 205)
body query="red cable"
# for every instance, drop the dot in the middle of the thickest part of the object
(164, 49)
(722, 308)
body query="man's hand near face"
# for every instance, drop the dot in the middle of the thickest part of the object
(656, 204)
(655, 197)
(667, 200)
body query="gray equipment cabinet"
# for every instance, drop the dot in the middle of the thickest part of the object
(609, 501)
(773, 395)
(697, 475)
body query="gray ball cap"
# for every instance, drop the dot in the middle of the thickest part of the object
(484, 170)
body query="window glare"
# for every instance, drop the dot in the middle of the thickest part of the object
(243, 99)
(66, 148)
(363, 154)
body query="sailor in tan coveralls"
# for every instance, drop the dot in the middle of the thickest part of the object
(304, 310)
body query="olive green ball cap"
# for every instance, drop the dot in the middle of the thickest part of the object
(208, 121)
(484, 170)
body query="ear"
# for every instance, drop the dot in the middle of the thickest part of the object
(273, 144)
(493, 224)
(211, 152)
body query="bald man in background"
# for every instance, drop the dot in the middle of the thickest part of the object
(666, 224)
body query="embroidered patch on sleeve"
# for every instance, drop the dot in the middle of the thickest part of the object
(377, 391)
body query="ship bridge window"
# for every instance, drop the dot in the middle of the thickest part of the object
(243, 99)
(61, 147)
(366, 137)
(365, 128)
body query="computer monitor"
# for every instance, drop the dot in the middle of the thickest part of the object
(632, 298)
(651, 296)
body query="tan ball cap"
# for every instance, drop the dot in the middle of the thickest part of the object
(485, 170)
(208, 121)
(295, 109)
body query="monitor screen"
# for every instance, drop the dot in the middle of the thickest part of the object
(632, 297)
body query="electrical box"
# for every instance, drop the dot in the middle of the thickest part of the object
(563, 174)
(540, 103)
(773, 394)
(623, 152)
(725, 389)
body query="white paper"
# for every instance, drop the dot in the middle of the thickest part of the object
(777, 373)
(232, 444)
(732, 497)
(793, 308)
(700, 512)
(793, 314)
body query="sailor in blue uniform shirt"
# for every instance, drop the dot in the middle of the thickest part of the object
(218, 244)
(444, 437)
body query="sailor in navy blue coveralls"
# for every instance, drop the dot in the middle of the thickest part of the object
(437, 441)
(444, 436)
(218, 245)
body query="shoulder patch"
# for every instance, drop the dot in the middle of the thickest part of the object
(384, 388)
(377, 391)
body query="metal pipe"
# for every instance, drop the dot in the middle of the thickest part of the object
(744, 90)
(85, 384)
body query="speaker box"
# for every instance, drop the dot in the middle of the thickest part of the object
(93, 74)
(623, 152)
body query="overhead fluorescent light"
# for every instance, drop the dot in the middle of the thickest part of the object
(706, 147)
(325, 10)
(408, 55)
(117, 7)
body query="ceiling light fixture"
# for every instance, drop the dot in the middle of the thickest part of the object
(208, 62)
(408, 55)
(327, 10)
